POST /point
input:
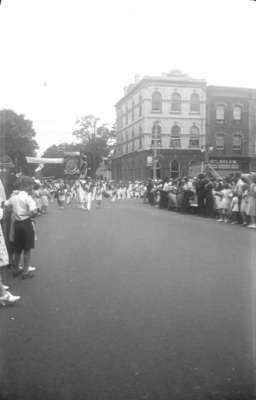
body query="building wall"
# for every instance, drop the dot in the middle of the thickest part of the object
(135, 120)
(229, 127)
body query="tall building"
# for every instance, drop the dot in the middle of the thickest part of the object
(160, 122)
(231, 128)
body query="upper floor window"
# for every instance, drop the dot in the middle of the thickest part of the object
(237, 142)
(133, 111)
(195, 103)
(156, 134)
(237, 113)
(220, 142)
(157, 101)
(176, 102)
(126, 115)
(140, 137)
(194, 137)
(175, 137)
(140, 105)
(220, 113)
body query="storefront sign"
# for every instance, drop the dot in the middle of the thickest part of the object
(225, 164)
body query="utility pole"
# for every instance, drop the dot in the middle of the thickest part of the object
(154, 161)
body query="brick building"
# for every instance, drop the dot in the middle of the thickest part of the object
(168, 112)
(230, 128)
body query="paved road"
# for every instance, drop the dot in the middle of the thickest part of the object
(131, 302)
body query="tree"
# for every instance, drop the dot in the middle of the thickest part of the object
(96, 139)
(17, 139)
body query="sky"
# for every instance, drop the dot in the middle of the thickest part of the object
(62, 59)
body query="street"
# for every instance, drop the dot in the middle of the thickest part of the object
(131, 302)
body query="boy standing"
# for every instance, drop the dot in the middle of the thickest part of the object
(24, 208)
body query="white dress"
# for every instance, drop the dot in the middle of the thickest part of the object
(4, 258)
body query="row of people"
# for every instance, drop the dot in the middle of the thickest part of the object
(231, 199)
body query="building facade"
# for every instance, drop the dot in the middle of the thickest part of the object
(230, 126)
(162, 120)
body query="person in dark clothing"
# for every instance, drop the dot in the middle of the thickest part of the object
(209, 199)
(200, 192)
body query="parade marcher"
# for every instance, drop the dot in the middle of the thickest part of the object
(45, 197)
(61, 195)
(89, 192)
(98, 195)
(24, 208)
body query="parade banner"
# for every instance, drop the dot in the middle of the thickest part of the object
(41, 160)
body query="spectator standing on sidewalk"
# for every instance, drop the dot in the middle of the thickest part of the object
(24, 208)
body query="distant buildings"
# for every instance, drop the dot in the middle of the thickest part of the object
(177, 122)
(230, 128)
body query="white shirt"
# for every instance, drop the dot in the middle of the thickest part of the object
(22, 205)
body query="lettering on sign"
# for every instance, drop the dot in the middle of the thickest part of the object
(224, 164)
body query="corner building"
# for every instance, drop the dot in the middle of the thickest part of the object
(169, 110)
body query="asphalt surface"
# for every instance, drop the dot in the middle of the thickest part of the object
(131, 302)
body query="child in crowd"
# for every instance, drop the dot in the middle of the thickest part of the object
(24, 208)
(234, 209)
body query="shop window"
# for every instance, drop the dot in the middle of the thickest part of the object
(156, 134)
(237, 113)
(176, 103)
(195, 103)
(156, 102)
(220, 113)
(237, 142)
(220, 142)
(175, 137)
(194, 137)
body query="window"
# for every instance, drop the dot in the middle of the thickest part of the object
(220, 113)
(195, 103)
(126, 144)
(174, 169)
(133, 141)
(156, 102)
(126, 115)
(176, 103)
(220, 142)
(133, 111)
(237, 142)
(156, 134)
(140, 106)
(194, 137)
(237, 113)
(140, 137)
(175, 137)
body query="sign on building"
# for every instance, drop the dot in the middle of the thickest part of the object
(225, 164)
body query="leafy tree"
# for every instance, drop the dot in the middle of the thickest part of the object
(17, 139)
(96, 140)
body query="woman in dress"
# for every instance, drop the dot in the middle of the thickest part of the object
(5, 296)
(252, 202)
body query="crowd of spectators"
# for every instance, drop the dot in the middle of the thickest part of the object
(229, 200)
